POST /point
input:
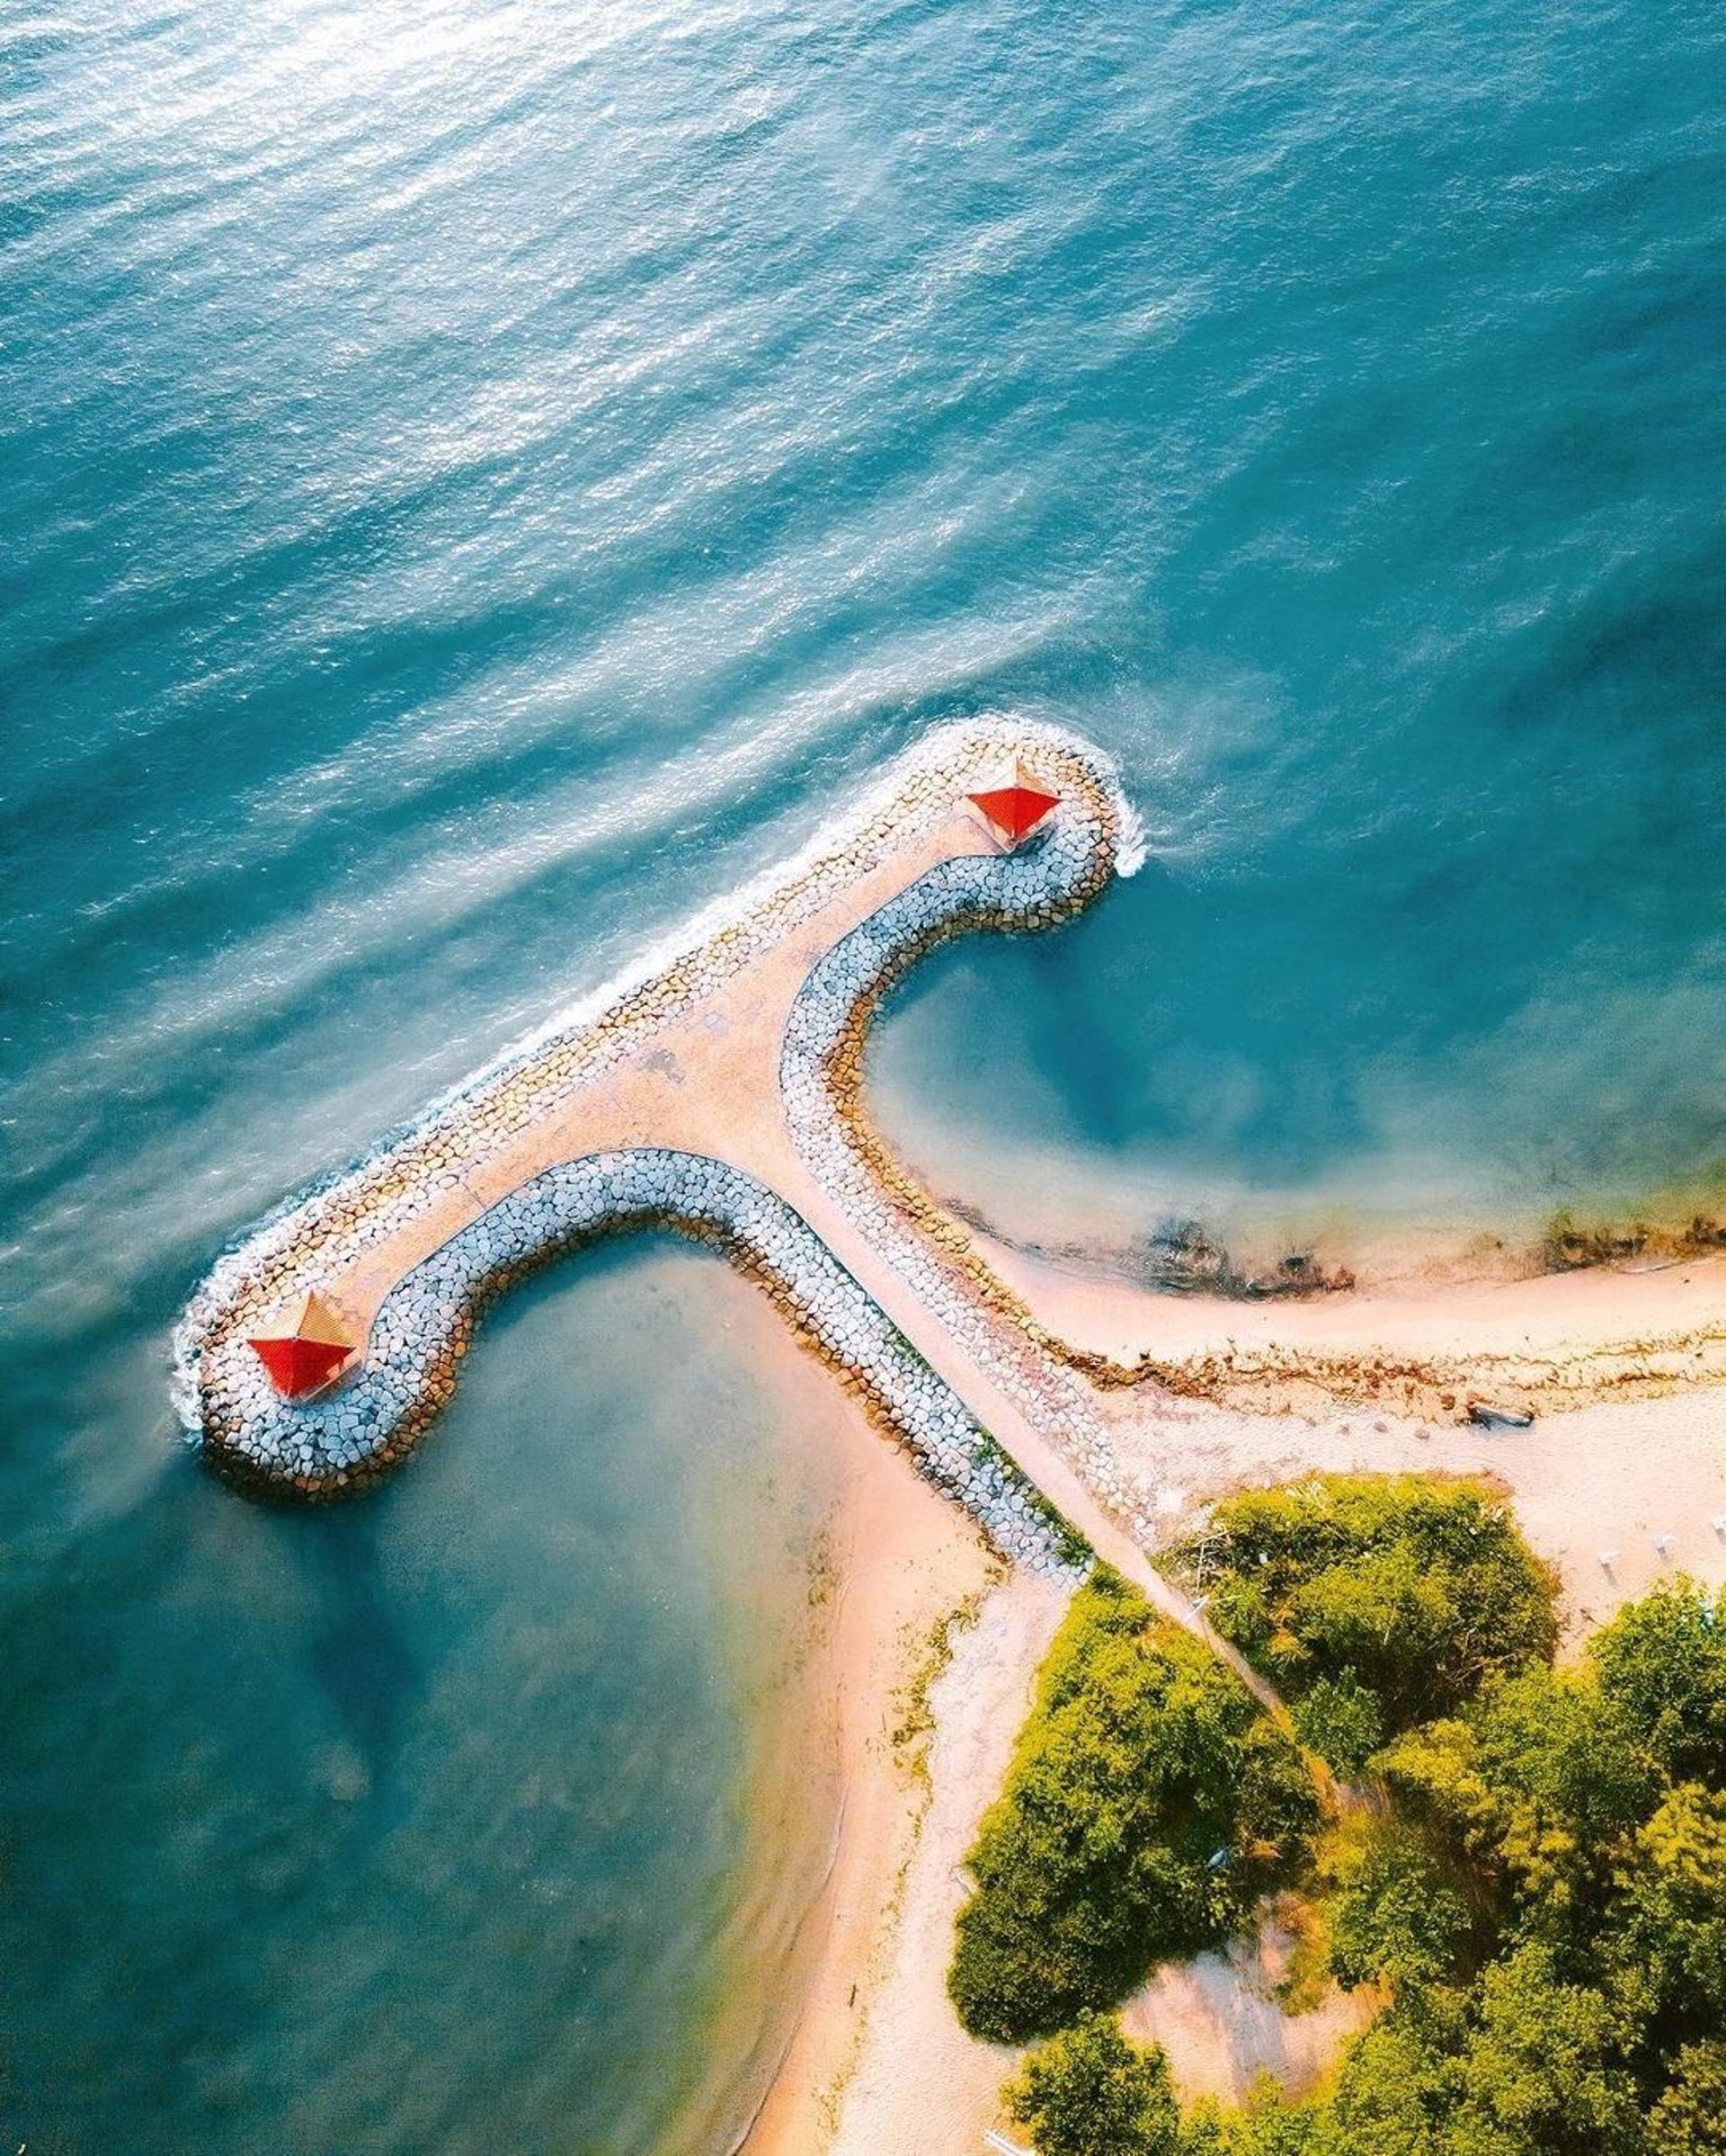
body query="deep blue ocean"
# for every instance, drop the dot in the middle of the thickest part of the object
(477, 479)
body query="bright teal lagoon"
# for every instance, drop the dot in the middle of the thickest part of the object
(476, 480)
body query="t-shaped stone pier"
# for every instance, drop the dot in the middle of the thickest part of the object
(717, 1093)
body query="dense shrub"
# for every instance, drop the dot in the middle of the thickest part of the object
(1590, 2025)
(1662, 1663)
(1690, 2117)
(1149, 1802)
(1396, 1913)
(1543, 2065)
(1666, 1923)
(1534, 1781)
(1341, 1720)
(1410, 1589)
(1088, 2092)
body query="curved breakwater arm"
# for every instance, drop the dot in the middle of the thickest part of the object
(354, 1434)
(820, 1073)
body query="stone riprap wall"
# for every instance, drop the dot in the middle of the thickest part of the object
(354, 1434)
(1052, 877)
(374, 1416)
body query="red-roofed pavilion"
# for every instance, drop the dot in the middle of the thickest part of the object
(305, 1346)
(1014, 809)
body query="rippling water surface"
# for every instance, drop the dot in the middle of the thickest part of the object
(476, 480)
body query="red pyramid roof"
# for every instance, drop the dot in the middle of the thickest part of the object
(1014, 810)
(303, 1346)
(298, 1367)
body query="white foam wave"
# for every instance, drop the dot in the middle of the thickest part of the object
(1133, 849)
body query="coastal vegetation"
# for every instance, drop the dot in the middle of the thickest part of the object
(1535, 1894)
(1373, 1601)
(1088, 2092)
(914, 1730)
(1149, 1804)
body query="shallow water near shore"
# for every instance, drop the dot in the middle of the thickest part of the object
(478, 482)
(480, 1814)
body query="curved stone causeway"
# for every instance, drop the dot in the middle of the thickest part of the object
(354, 1434)
(716, 1093)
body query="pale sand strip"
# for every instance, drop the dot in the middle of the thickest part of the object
(904, 1561)
(919, 2081)
(1553, 1341)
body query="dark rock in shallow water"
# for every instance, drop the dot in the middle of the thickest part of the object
(1487, 1417)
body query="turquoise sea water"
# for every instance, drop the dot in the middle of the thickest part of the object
(477, 480)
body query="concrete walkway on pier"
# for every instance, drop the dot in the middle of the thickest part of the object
(704, 1080)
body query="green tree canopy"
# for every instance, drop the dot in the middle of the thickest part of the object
(1341, 1721)
(1537, 1879)
(1148, 1803)
(1690, 2117)
(1396, 1915)
(1666, 1931)
(1414, 1588)
(1545, 2068)
(1662, 1663)
(1088, 2092)
(1537, 1778)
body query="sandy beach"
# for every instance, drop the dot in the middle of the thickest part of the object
(897, 1562)
(1622, 1485)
